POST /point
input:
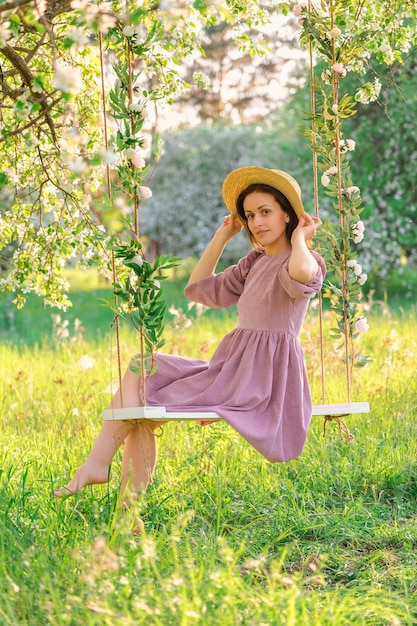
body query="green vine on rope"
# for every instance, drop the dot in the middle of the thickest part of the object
(322, 30)
(138, 295)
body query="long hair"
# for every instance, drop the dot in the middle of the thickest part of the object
(282, 201)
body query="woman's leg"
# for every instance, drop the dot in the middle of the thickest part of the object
(95, 469)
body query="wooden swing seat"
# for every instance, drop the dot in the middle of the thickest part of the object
(156, 413)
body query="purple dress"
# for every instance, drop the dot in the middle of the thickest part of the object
(256, 380)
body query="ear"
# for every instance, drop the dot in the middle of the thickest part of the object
(287, 219)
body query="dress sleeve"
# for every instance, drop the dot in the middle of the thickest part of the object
(296, 289)
(225, 288)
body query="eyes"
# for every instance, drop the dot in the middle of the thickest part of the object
(250, 216)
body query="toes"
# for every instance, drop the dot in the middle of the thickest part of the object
(64, 492)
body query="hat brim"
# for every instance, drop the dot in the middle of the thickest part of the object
(238, 180)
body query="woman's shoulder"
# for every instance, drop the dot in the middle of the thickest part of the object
(249, 260)
(253, 256)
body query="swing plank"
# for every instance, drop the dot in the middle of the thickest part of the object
(156, 413)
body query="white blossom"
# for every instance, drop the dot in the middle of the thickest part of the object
(107, 21)
(135, 157)
(137, 259)
(145, 192)
(326, 76)
(335, 32)
(86, 362)
(369, 92)
(67, 79)
(138, 160)
(136, 107)
(79, 4)
(109, 157)
(5, 33)
(358, 269)
(362, 325)
(339, 69)
(358, 229)
(325, 180)
(128, 31)
(78, 36)
(362, 279)
(77, 166)
(352, 190)
(145, 143)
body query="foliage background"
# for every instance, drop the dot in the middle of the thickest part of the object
(53, 208)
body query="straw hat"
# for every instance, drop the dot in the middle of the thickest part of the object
(238, 180)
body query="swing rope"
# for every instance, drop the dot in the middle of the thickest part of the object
(343, 428)
(110, 196)
(348, 357)
(316, 212)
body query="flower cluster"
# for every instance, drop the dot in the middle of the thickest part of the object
(357, 270)
(357, 230)
(325, 179)
(347, 145)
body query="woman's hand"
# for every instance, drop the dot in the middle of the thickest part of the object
(230, 226)
(306, 227)
(210, 257)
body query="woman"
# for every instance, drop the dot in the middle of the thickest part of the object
(256, 379)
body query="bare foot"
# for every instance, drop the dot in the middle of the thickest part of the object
(137, 526)
(85, 475)
(136, 523)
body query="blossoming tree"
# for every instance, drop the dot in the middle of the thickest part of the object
(56, 159)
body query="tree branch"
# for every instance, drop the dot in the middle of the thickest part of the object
(53, 7)
(13, 4)
(24, 70)
(56, 7)
(45, 114)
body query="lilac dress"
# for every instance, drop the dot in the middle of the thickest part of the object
(256, 380)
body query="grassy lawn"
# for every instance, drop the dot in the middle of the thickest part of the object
(329, 538)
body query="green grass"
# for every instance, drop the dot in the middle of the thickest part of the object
(329, 538)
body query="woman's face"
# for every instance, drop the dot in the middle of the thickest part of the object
(267, 222)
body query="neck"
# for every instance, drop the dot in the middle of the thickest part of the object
(279, 247)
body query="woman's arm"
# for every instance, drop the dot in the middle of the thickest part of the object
(211, 255)
(302, 265)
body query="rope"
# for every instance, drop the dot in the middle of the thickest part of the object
(341, 218)
(340, 211)
(109, 193)
(343, 429)
(316, 210)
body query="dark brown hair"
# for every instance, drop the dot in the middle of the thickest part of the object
(282, 201)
